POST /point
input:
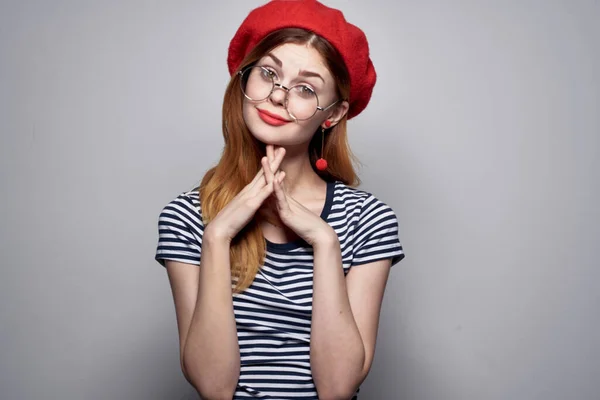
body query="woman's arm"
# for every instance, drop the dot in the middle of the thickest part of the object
(345, 310)
(210, 352)
(210, 356)
(344, 321)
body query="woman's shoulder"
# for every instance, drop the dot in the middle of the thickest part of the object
(180, 230)
(373, 225)
(353, 197)
(186, 207)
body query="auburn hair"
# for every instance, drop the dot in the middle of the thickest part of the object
(240, 160)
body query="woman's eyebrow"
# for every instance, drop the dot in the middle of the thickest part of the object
(277, 60)
(301, 73)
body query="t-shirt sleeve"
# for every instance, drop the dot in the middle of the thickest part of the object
(377, 235)
(180, 231)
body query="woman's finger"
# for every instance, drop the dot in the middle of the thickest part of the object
(268, 172)
(267, 189)
(282, 203)
(270, 154)
(280, 175)
(278, 158)
(273, 165)
(283, 185)
(258, 175)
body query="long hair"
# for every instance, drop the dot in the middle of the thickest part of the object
(240, 160)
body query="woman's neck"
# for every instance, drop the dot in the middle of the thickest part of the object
(300, 177)
(301, 182)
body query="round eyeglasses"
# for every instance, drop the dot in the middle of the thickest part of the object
(301, 101)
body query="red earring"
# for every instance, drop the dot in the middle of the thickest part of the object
(321, 162)
(328, 123)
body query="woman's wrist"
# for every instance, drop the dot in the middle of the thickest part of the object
(327, 240)
(215, 238)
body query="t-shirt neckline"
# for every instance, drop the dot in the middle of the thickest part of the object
(283, 247)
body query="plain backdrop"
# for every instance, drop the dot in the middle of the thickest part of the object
(483, 134)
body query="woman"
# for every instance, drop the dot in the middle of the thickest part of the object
(280, 222)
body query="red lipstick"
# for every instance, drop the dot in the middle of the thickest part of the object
(271, 119)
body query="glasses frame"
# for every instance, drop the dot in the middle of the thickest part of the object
(287, 92)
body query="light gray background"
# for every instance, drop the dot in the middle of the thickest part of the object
(483, 135)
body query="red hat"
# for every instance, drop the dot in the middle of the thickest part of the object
(326, 22)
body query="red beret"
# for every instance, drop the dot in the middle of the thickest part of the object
(326, 22)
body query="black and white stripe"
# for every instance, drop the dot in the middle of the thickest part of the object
(273, 315)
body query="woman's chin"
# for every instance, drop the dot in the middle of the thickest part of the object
(276, 139)
(276, 135)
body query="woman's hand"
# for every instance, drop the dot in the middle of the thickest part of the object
(295, 216)
(240, 210)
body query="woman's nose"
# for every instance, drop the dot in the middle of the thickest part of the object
(278, 95)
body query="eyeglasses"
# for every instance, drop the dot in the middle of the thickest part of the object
(301, 101)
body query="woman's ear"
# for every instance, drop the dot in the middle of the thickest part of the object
(338, 112)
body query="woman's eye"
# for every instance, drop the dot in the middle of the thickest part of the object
(267, 73)
(306, 91)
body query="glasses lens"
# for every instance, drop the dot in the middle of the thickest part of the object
(302, 102)
(257, 83)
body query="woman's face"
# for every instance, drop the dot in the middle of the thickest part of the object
(291, 65)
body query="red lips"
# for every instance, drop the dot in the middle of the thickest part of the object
(271, 119)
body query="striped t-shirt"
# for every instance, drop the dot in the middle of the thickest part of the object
(273, 316)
